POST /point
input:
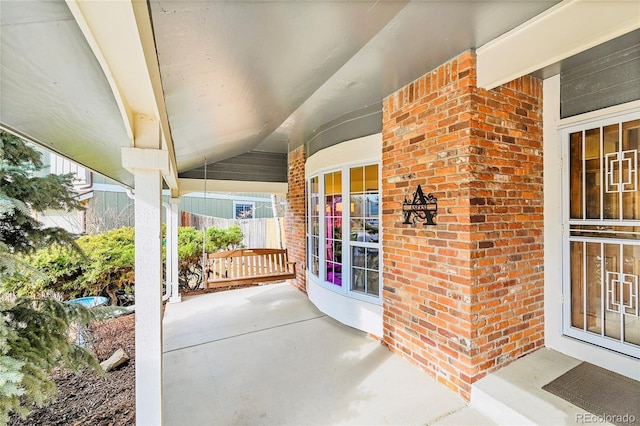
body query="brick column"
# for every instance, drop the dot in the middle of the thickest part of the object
(295, 220)
(463, 298)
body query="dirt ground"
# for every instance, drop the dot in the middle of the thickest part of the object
(85, 398)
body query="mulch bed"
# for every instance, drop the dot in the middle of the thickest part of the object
(85, 398)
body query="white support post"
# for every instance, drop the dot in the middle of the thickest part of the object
(147, 161)
(148, 272)
(168, 252)
(175, 222)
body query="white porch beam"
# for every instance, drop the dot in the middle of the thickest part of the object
(565, 29)
(197, 185)
(121, 36)
(173, 248)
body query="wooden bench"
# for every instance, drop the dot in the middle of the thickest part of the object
(248, 266)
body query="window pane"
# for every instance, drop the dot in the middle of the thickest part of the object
(337, 183)
(357, 179)
(333, 222)
(371, 177)
(371, 231)
(372, 205)
(373, 283)
(372, 259)
(357, 257)
(328, 183)
(358, 203)
(357, 229)
(358, 280)
(314, 221)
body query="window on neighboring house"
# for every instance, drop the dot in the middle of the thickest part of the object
(243, 210)
(344, 223)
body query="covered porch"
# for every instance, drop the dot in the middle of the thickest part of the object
(267, 355)
(275, 96)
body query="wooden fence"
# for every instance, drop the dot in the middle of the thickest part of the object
(257, 233)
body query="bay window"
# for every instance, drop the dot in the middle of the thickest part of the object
(344, 230)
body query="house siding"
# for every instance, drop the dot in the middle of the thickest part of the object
(609, 80)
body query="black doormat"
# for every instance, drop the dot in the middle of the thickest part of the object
(608, 395)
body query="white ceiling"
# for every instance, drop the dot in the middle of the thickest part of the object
(237, 76)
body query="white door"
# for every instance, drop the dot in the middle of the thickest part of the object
(602, 245)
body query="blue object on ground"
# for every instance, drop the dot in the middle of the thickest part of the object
(90, 302)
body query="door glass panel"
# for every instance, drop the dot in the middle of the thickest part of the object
(631, 269)
(577, 284)
(630, 196)
(593, 288)
(612, 298)
(592, 173)
(575, 175)
(611, 173)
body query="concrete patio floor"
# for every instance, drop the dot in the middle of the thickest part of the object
(265, 356)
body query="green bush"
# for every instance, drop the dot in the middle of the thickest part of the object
(105, 265)
(34, 340)
(190, 250)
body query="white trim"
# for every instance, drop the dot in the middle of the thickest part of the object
(361, 150)
(197, 185)
(218, 196)
(563, 30)
(353, 312)
(553, 240)
(601, 114)
(107, 187)
(145, 159)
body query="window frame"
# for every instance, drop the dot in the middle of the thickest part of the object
(347, 244)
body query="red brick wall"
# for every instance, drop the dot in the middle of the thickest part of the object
(294, 217)
(463, 298)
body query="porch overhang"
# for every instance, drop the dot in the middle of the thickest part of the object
(567, 29)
